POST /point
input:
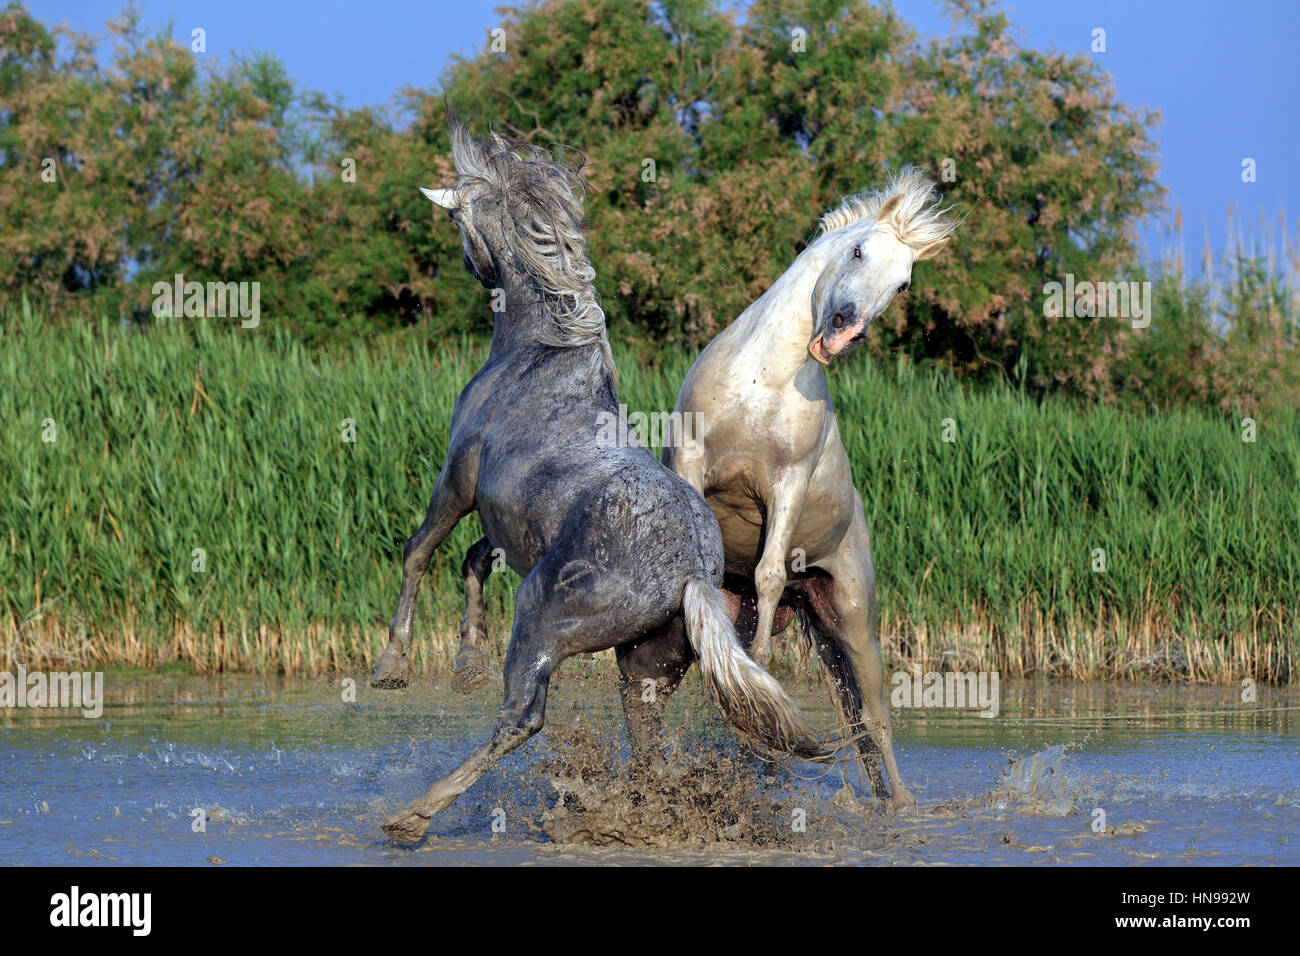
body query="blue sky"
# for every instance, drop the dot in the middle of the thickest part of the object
(1225, 75)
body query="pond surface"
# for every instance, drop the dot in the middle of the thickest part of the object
(287, 772)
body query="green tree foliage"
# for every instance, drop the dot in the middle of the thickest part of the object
(155, 170)
(715, 140)
(1227, 340)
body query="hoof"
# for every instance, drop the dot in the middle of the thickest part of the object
(407, 827)
(900, 802)
(393, 671)
(471, 671)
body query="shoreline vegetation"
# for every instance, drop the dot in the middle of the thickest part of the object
(233, 500)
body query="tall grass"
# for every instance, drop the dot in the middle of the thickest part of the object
(989, 547)
(232, 441)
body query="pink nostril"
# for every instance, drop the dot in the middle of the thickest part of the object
(837, 321)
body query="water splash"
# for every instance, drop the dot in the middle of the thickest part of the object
(1036, 784)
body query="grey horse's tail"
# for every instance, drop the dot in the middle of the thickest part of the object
(755, 704)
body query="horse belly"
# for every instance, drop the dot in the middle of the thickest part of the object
(523, 531)
(742, 537)
(824, 521)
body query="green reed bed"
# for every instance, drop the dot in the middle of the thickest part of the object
(233, 442)
(988, 547)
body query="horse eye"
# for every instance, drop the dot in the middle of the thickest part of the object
(857, 252)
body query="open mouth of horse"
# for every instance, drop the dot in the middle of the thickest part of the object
(831, 342)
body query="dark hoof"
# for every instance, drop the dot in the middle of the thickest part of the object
(408, 828)
(393, 672)
(471, 671)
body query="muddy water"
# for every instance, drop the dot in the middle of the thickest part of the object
(288, 772)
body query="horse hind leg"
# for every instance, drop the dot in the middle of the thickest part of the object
(651, 669)
(839, 676)
(845, 620)
(530, 661)
(471, 671)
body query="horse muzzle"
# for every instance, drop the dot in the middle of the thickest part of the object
(840, 333)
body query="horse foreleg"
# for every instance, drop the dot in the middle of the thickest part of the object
(783, 513)
(530, 661)
(447, 505)
(471, 670)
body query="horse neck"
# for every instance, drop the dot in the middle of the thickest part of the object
(772, 335)
(519, 325)
(516, 333)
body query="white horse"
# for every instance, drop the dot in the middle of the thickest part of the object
(767, 453)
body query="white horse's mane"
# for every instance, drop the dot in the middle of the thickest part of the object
(908, 203)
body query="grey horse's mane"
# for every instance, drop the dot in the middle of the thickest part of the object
(910, 205)
(543, 202)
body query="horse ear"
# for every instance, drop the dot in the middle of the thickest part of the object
(465, 153)
(889, 206)
(446, 198)
(932, 250)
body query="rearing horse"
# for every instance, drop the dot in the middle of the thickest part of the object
(767, 453)
(614, 549)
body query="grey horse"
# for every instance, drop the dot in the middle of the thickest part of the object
(614, 549)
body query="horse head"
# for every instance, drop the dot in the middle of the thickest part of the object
(872, 242)
(519, 209)
(477, 203)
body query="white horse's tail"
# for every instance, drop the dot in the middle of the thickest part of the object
(755, 704)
